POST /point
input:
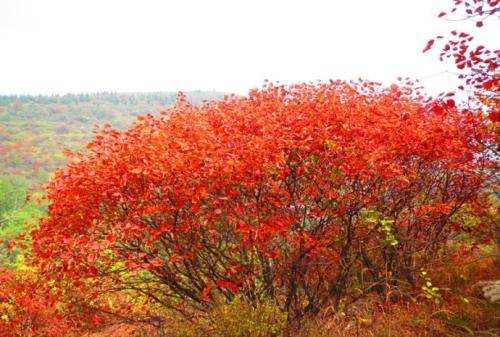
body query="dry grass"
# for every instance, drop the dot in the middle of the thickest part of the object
(125, 330)
(462, 312)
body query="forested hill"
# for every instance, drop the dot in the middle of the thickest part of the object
(35, 129)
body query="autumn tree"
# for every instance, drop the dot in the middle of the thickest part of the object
(308, 194)
(476, 64)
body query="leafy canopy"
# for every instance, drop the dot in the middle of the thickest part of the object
(282, 193)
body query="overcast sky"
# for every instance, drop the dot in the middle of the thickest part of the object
(59, 46)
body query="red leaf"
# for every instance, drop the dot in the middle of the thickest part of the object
(489, 84)
(437, 109)
(231, 286)
(205, 294)
(494, 116)
(156, 262)
(441, 14)
(428, 45)
(95, 320)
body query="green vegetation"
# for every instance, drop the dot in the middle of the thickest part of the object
(15, 215)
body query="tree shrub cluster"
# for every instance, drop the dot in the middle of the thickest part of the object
(311, 195)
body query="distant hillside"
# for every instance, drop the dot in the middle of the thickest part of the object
(35, 129)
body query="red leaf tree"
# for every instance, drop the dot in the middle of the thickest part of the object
(290, 192)
(476, 64)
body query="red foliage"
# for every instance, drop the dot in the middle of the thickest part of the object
(477, 65)
(28, 308)
(266, 194)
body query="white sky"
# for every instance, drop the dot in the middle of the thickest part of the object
(59, 46)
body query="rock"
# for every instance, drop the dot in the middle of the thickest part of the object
(491, 290)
